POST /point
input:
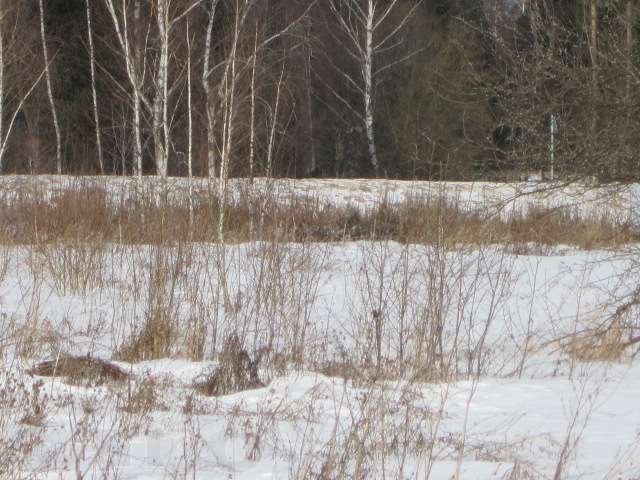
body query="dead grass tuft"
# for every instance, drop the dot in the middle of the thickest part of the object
(144, 397)
(600, 345)
(153, 341)
(235, 373)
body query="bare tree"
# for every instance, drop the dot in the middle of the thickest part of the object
(161, 97)
(189, 107)
(363, 23)
(6, 129)
(308, 90)
(134, 68)
(206, 84)
(156, 99)
(56, 124)
(94, 95)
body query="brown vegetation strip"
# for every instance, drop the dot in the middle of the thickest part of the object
(80, 369)
(87, 215)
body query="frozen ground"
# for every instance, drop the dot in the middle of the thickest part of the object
(520, 410)
(518, 404)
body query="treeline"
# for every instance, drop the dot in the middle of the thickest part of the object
(440, 89)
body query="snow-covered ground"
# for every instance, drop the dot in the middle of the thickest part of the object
(517, 405)
(520, 409)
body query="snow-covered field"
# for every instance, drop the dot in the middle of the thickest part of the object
(379, 360)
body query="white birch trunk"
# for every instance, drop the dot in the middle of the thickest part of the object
(228, 90)
(357, 21)
(270, 148)
(47, 73)
(137, 145)
(210, 99)
(629, 41)
(228, 127)
(274, 124)
(136, 81)
(189, 128)
(133, 63)
(92, 61)
(252, 129)
(189, 109)
(160, 125)
(368, 86)
(252, 138)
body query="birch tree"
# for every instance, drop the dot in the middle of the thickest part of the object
(94, 95)
(220, 76)
(367, 33)
(6, 32)
(134, 68)
(47, 73)
(161, 98)
(629, 41)
(208, 89)
(155, 99)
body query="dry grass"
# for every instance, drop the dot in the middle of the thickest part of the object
(87, 214)
(600, 345)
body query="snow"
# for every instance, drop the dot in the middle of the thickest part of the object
(517, 414)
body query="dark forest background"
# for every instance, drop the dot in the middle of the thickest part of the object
(462, 89)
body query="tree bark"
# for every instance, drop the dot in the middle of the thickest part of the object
(189, 110)
(135, 80)
(368, 87)
(629, 43)
(92, 60)
(133, 61)
(209, 94)
(54, 114)
(160, 122)
(593, 39)
(312, 144)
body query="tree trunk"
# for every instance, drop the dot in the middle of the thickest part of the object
(209, 94)
(189, 131)
(312, 144)
(368, 87)
(137, 146)
(274, 124)
(252, 118)
(189, 109)
(136, 80)
(31, 142)
(593, 39)
(160, 124)
(629, 20)
(92, 61)
(629, 44)
(54, 114)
